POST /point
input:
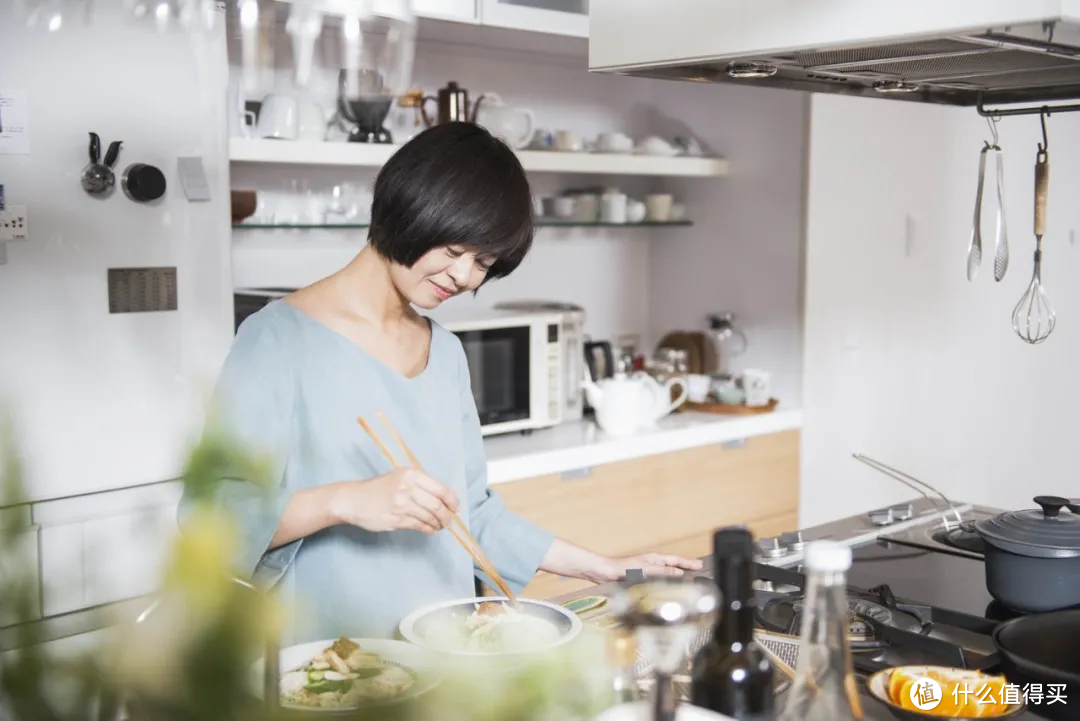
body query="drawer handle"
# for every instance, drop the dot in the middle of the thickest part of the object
(575, 474)
(734, 445)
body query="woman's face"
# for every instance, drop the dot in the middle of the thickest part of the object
(439, 275)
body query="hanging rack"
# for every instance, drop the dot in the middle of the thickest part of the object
(1044, 110)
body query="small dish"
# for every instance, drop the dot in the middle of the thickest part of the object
(884, 687)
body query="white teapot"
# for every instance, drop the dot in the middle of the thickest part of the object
(625, 404)
(514, 126)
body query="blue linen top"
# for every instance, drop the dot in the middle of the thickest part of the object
(293, 387)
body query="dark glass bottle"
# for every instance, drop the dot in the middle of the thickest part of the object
(731, 674)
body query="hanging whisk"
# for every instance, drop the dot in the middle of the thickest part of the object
(1033, 317)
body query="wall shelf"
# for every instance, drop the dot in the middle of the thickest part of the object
(539, 224)
(295, 152)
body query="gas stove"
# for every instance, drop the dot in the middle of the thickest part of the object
(916, 589)
(920, 524)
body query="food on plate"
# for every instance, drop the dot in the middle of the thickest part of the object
(493, 627)
(964, 693)
(344, 675)
(582, 606)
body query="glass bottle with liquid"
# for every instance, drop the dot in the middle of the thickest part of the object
(623, 658)
(731, 674)
(824, 688)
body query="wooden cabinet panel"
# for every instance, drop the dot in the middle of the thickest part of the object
(669, 503)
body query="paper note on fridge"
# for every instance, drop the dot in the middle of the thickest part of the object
(14, 123)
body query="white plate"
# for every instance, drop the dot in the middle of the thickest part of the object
(411, 625)
(414, 658)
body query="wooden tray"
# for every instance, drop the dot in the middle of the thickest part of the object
(740, 410)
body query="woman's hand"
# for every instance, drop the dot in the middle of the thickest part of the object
(404, 498)
(653, 564)
(566, 559)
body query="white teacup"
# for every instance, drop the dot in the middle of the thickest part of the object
(613, 208)
(698, 387)
(658, 207)
(755, 383)
(614, 143)
(564, 207)
(279, 117)
(568, 141)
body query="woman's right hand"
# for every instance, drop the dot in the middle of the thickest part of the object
(404, 498)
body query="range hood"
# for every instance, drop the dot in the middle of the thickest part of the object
(952, 52)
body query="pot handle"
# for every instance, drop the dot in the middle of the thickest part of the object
(1052, 505)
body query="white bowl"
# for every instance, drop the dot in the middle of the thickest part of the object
(412, 626)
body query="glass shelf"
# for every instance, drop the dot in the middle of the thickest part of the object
(539, 224)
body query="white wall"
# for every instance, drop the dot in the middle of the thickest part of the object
(905, 360)
(742, 254)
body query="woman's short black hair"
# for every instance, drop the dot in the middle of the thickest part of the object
(453, 184)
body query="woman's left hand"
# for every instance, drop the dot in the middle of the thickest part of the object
(653, 564)
(566, 559)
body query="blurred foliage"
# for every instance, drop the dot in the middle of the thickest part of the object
(193, 655)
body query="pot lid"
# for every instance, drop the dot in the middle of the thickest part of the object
(1049, 531)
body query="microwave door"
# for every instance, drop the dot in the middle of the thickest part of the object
(498, 362)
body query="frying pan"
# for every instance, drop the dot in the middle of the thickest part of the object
(1044, 649)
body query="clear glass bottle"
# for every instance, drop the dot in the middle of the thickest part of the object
(731, 673)
(824, 688)
(622, 652)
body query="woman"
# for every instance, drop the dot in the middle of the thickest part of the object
(364, 542)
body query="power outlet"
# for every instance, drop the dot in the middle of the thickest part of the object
(13, 224)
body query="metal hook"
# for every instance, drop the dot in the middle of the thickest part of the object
(992, 122)
(1044, 146)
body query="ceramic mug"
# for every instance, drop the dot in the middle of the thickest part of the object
(614, 143)
(613, 208)
(755, 384)
(279, 117)
(658, 207)
(564, 207)
(587, 208)
(698, 387)
(568, 141)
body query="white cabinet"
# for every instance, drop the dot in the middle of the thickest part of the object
(459, 10)
(558, 17)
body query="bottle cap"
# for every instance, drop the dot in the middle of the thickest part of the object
(732, 543)
(828, 556)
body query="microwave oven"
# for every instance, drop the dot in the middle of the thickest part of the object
(515, 361)
(516, 367)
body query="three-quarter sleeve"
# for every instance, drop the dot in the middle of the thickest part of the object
(515, 545)
(253, 404)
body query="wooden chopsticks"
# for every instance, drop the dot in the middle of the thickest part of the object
(461, 533)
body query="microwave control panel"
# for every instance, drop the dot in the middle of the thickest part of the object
(555, 373)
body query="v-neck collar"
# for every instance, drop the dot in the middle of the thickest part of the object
(377, 361)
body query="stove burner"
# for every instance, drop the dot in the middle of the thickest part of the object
(966, 539)
(785, 615)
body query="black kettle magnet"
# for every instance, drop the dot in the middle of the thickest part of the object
(98, 177)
